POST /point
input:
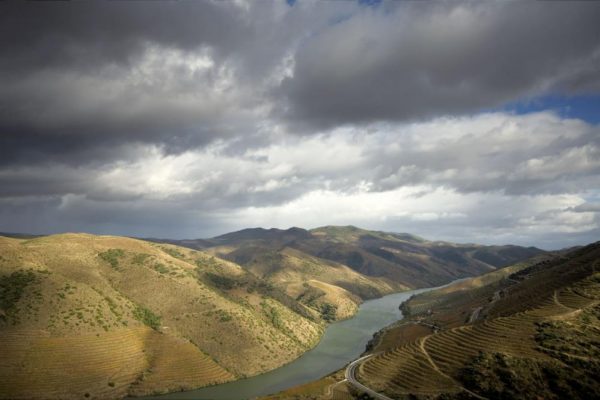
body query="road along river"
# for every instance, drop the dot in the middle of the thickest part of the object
(342, 342)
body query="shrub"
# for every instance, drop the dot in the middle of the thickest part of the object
(328, 312)
(158, 267)
(147, 317)
(140, 258)
(221, 282)
(112, 256)
(12, 287)
(173, 252)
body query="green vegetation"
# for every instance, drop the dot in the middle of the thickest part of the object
(147, 317)
(140, 258)
(328, 312)
(273, 315)
(501, 376)
(173, 252)
(160, 268)
(112, 256)
(224, 316)
(12, 288)
(221, 282)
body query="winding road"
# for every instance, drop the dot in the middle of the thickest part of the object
(351, 378)
(350, 375)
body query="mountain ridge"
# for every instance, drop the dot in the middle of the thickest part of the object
(158, 317)
(399, 257)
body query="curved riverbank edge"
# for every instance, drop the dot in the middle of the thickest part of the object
(341, 343)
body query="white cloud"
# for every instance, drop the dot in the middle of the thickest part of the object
(493, 177)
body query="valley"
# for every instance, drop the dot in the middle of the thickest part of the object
(524, 331)
(300, 200)
(105, 316)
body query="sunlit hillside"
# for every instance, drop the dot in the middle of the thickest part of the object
(108, 316)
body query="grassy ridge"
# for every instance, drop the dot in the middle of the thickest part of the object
(150, 317)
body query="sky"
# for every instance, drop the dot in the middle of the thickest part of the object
(459, 121)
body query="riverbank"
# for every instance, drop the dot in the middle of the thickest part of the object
(389, 336)
(342, 342)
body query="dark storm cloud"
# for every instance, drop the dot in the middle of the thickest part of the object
(58, 58)
(79, 80)
(195, 118)
(426, 59)
(84, 35)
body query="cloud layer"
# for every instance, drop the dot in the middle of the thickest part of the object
(422, 60)
(194, 118)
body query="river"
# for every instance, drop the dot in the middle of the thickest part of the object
(342, 342)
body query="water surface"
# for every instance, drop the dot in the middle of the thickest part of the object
(342, 342)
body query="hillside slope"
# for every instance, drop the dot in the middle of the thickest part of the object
(532, 333)
(528, 331)
(85, 316)
(363, 263)
(314, 281)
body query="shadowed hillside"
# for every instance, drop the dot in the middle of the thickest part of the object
(528, 331)
(364, 263)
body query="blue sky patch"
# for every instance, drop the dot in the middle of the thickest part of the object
(585, 107)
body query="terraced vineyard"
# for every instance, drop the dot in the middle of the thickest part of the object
(104, 317)
(176, 364)
(44, 366)
(564, 293)
(412, 372)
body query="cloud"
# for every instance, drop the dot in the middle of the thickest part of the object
(586, 208)
(80, 82)
(426, 59)
(481, 178)
(194, 118)
(535, 153)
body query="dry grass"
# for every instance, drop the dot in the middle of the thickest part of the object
(82, 309)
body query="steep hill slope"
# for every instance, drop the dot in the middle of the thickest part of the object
(526, 334)
(533, 333)
(410, 259)
(85, 316)
(314, 281)
(364, 263)
(527, 331)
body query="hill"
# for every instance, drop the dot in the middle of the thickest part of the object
(360, 264)
(528, 331)
(84, 316)
(105, 317)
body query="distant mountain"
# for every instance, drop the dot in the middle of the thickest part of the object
(259, 234)
(340, 266)
(397, 258)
